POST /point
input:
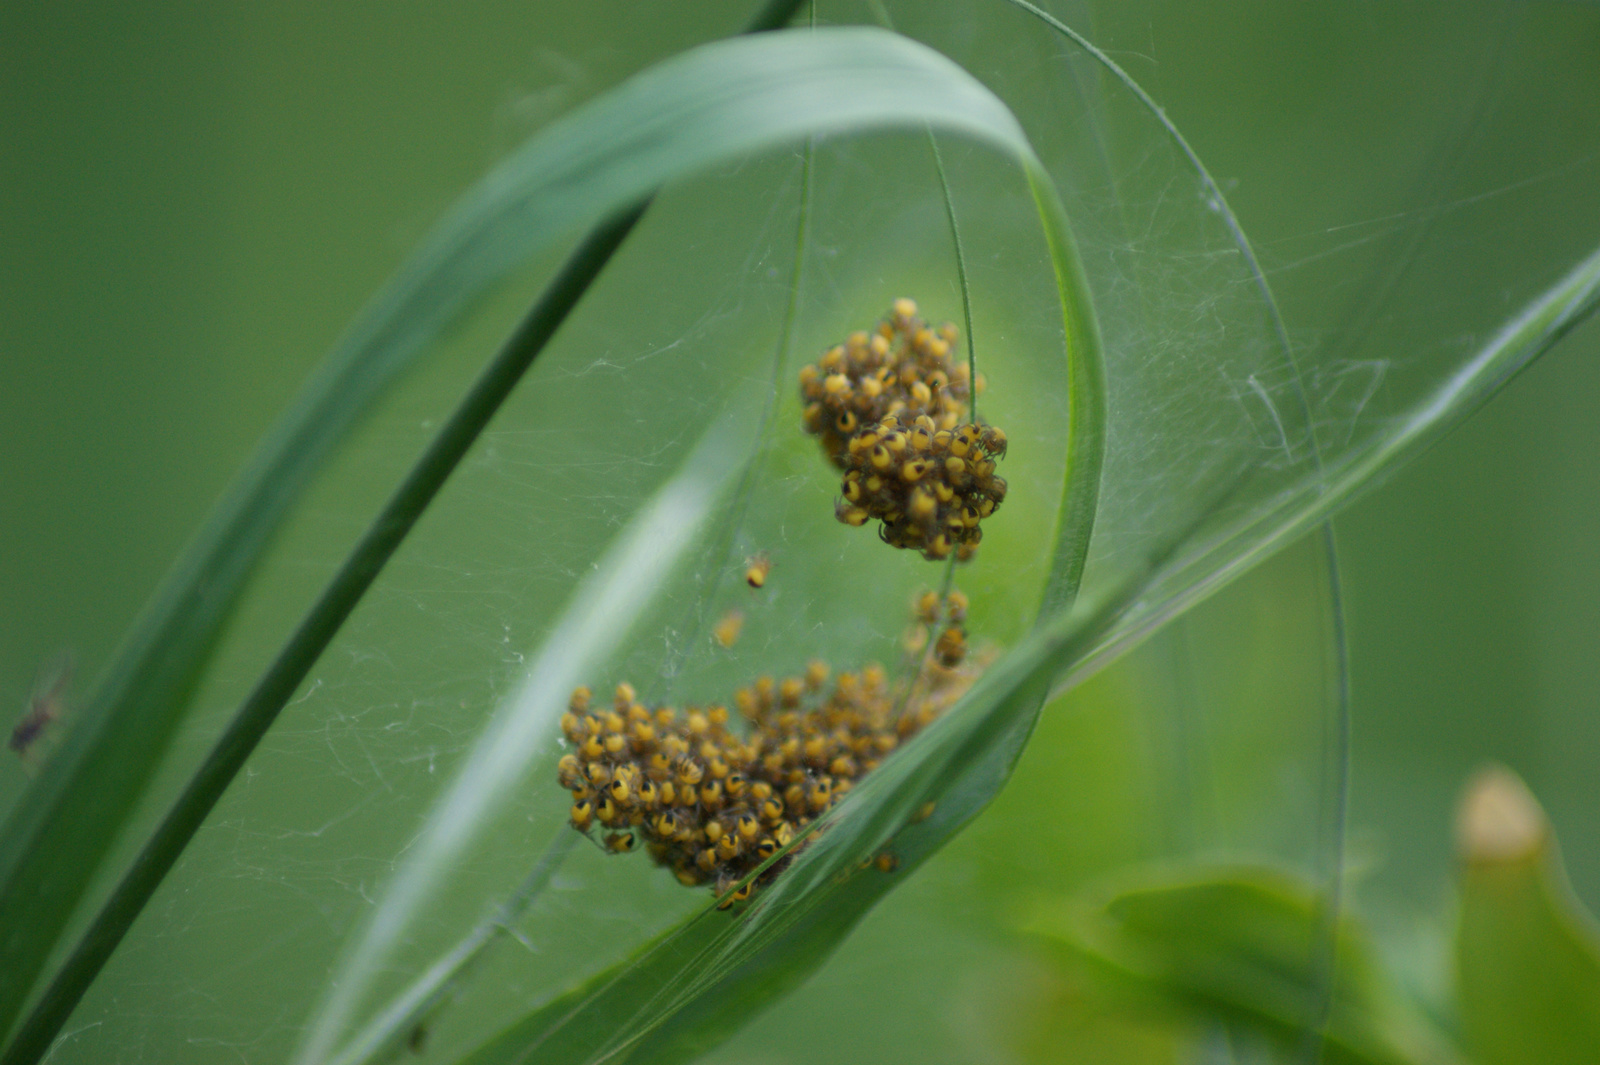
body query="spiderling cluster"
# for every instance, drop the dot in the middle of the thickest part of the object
(713, 802)
(889, 408)
(903, 368)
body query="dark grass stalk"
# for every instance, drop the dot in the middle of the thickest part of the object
(315, 631)
(288, 670)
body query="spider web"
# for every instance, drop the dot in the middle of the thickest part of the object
(230, 957)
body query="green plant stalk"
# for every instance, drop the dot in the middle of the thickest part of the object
(961, 273)
(1086, 410)
(881, 13)
(332, 608)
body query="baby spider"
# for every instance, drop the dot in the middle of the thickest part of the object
(756, 570)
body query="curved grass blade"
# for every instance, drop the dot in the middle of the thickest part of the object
(58, 834)
(1287, 509)
(718, 102)
(1207, 565)
(598, 617)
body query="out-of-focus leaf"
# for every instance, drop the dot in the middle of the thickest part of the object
(1527, 955)
(1237, 945)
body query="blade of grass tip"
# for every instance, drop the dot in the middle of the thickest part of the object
(597, 618)
(1527, 335)
(195, 628)
(1534, 330)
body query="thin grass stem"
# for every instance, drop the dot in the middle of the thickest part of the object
(417, 1007)
(961, 274)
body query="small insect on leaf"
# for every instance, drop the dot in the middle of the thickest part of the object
(756, 570)
(46, 705)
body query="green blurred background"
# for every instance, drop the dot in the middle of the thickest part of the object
(195, 199)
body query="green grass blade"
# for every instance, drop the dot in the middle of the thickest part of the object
(717, 102)
(1277, 521)
(124, 730)
(1086, 400)
(597, 619)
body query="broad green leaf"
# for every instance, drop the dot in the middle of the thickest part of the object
(718, 101)
(1527, 954)
(1238, 945)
